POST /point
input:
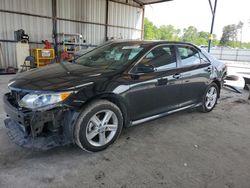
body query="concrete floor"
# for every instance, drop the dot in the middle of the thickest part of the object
(187, 149)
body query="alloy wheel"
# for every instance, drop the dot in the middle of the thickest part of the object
(101, 128)
(211, 97)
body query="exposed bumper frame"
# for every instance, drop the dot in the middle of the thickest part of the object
(19, 121)
(17, 135)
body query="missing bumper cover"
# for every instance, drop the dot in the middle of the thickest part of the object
(21, 138)
(39, 130)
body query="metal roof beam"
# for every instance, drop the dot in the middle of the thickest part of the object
(144, 2)
(211, 7)
(138, 2)
(160, 1)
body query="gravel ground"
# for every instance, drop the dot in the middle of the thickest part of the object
(186, 149)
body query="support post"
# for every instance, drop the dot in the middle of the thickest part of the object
(142, 27)
(212, 25)
(106, 20)
(54, 26)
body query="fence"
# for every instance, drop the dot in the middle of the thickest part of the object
(242, 55)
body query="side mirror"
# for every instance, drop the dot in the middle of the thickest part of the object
(142, 68)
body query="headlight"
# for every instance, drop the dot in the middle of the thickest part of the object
(33, 101)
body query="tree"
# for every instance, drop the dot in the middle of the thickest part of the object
(229, 34)
(168, 32)
(190, 34)
(239, 27)
(202, 38)
(164, 32)
(150, 30)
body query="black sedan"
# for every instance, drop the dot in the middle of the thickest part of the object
(116, 85)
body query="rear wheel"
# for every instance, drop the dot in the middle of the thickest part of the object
(98, 126)
(210, 98)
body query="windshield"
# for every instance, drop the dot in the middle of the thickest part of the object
(111, 56)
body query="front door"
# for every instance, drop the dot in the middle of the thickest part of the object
(158, 91)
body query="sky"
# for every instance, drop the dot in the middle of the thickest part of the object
(183, 13)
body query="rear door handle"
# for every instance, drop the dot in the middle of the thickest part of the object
(177, 76)
(162, 81)
(208, 69)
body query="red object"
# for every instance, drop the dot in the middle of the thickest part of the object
(47, 44)
(66, 56)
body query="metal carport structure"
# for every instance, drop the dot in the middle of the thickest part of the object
(212, 7)
(97, 20)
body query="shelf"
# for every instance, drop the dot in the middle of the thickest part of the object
(69, 43)
(82, 44)
(44, 58)
(68, 34)
(71, 52)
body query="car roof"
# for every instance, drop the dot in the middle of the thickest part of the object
(151, 42)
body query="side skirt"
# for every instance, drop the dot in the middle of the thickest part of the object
(163, 114)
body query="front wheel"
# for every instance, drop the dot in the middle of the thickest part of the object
(98, 126)
(210, 98)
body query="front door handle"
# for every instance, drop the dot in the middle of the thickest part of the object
(177, 76)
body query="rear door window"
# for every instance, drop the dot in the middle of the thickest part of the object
(189, 56)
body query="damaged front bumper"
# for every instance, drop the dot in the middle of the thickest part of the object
(41, 130)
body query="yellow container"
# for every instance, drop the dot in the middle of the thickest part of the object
(43, 56)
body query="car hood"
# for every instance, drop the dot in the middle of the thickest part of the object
(59, 77)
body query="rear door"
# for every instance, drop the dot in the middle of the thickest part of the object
(195, 73)
(158, 91)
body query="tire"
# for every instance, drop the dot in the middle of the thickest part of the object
(102, 120)
(205, 107)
